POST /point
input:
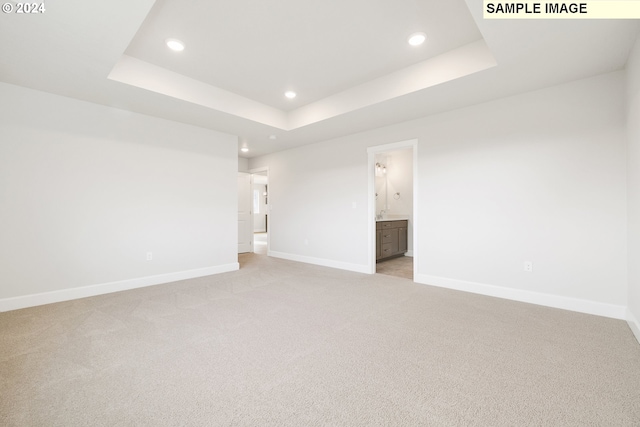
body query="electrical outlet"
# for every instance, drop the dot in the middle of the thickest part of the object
(528, 266)
(149, 256)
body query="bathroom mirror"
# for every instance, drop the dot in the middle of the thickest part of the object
(394, 184)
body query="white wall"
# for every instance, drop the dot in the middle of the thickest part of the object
(633, 185)
(535, 177)
(400, 182)
(398, 179)
(243, 164)
(312, 191)
(260, 216)
(380, 183)
(86, 191)
(538, 177)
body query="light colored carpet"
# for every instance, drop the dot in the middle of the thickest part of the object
(280, 343)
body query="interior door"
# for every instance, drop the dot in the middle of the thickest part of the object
(245, 217)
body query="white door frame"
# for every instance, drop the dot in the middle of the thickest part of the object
(266, 169)
(372, 151)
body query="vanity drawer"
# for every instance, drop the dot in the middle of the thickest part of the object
(387, 236)
(384, 225)
(387, 249)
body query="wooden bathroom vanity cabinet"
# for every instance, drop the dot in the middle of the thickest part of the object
(391, 238)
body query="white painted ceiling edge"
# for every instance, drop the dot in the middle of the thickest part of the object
(460, 62)
(72, 49)
(147, 76)
(448, 66)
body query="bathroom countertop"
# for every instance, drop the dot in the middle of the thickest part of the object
(400, 218)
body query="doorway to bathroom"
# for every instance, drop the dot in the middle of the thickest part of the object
(392, 193)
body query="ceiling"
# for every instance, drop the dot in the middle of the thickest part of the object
(260, 49)
(348, 61)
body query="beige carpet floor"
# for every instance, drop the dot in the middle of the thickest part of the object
(280, 343)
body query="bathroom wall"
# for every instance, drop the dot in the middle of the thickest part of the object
(394, 188)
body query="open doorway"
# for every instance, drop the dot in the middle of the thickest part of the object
(260, 200)
(392, 192)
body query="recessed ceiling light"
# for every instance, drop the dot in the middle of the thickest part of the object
(244, 149)
(272, 137)
(175, 45)
(290, 94)
(416, 39)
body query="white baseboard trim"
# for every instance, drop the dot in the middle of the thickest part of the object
(33, 300)
(548, 300)
(321, 261)
(634, 324)
(409, 253)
